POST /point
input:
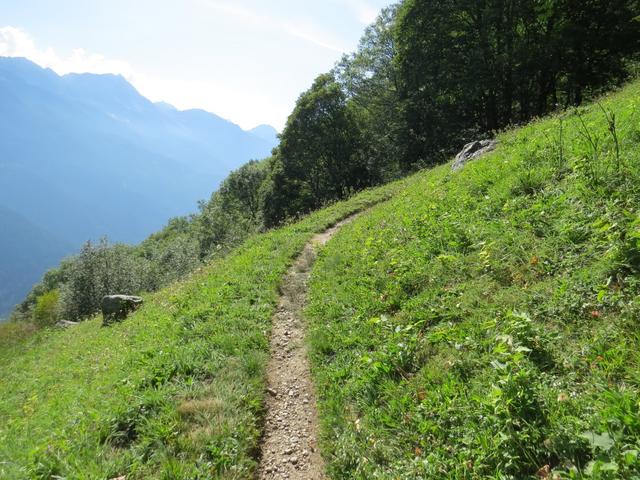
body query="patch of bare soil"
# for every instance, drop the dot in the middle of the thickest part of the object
(289, 447)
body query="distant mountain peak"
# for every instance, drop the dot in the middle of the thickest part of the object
(165, 106)
(85, 155)
(265, 132)
(26, 69)
(107, 85)
(114, 79)
(21, 62)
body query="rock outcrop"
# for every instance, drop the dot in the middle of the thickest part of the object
(116, 308)
(471, 151)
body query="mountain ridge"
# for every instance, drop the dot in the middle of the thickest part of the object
(86, 155)
(266, 132)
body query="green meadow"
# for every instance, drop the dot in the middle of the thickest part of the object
(478, 324)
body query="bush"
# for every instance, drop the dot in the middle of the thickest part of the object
(47, 309)
(99, 270)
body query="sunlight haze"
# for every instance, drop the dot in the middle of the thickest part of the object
(245, 60)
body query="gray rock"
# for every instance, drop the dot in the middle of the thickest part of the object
(118, 307)
(471, 151)
(66, 324)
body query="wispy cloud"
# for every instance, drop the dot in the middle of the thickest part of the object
(305, 32)
(15, 42)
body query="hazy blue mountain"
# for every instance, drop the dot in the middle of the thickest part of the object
(266, 132)
(84, 155)
(26, 250)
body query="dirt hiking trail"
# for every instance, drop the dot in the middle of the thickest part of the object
(289, 446)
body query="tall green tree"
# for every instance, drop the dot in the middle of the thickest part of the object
(597, 36)
(467, 67)
(432, 53)
(99, 269)
(369, 78)
(234, 210)
(318, 157)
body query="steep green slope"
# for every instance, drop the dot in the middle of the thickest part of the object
(484, 324)
(481, 324)
(174, 392)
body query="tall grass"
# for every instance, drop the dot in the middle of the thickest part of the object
(484, 324)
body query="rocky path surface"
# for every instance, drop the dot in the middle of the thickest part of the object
(289, 447)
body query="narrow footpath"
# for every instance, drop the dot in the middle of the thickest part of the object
(289, 446)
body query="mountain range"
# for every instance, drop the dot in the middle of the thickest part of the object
(85, 155)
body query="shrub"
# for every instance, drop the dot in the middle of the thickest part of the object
(47, 309)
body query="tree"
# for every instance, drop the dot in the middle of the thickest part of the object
(469, 67)
(100, 270)
(46, 310)
(597, 35)
(369, 78)
(433, 48)
(317, 160)
(234, 211)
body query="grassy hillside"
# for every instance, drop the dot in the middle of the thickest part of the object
(484, 324)
(481, 324)
(174, 392)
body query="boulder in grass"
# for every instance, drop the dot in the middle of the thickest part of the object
(66, 324)
(473, 150)
(116, 308)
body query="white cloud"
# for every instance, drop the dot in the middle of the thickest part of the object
(15, 42)
(364, 12)
(304, 32)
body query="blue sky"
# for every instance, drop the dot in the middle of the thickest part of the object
(246, 60)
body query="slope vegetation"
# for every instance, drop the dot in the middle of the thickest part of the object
(484, 324)
(84, 155)
(479, 324)
(176, 391)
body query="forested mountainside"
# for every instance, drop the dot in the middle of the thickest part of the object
(84, 156)
(27, 250)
